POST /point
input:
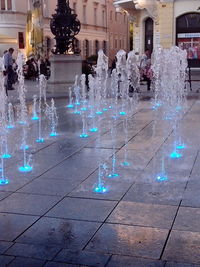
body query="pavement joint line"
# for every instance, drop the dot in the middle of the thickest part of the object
(170, 230)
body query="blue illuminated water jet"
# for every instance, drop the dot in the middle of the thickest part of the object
(35, 118)
(99, 112)
(10, 126)
(25, 168)
(125, 163)
(113, 175)
(4, 181)
(105, 109)
(162, 177)
(181, 146)
(26, 147)
(70, 106)
(76, 112)
(53, 134)
(94, 130)
(122, 113)
(6, 156)
(100, 189)
(41, 140)
(84, 109)
(175, 155)
(84, 135)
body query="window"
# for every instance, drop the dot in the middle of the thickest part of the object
(115, 16)
(104, 47)
(6, 5)
(124, 17)
(84, 14)
(3, 5)
(111, 15)
(87, 49)
(103, 17)
(96, 47)
(21, 40)
(95, 16)
(74, 7)
(120, 44)
(115, 43)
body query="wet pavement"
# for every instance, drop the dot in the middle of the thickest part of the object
(51, 217)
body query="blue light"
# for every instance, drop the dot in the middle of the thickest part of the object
(83, 109)
(125, 163)
(98, 112)
(175, 155)
(162, 178)
(100, 189)
(6, 156)
(83, 135)
(53, 134)
(178, 108)
(10, 126)
(105, 109)
(77, 103)
(35, 118)
(113, 175)
(4, 181)
(181, 146)
(156, 105)
(26, 147)
(25, 168)
(22, 122)
(76, 112)
(41, 140)
(93, 129)
(70, 106)
(110, 107)
(122, 113)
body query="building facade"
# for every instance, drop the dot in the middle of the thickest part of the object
(102, 27)
(165, 23)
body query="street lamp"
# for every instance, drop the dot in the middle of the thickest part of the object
(64, 26)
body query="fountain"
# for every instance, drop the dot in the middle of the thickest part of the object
(100, 187)
(42, 94)
(113, 173)
(84, 95)
(3, 132)
(35, 116)
(53, 118)
(11, 123)
(70, 105)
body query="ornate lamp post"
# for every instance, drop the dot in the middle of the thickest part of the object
(64, 26)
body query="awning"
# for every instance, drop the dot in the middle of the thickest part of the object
(126, 4)
(7, 40)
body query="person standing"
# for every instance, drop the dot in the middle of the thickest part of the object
(8, 64)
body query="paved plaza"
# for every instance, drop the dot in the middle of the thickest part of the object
(51, 217)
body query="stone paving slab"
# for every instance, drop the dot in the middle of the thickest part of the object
(188, 219)
(175, 264)
(116, 187)
(142, 214)
(121, 261)
(5, 260)
(4, 246)
(183, 246)
(59, 233)
(50, 187)
(82, 209)
(28, 204)
(20, 261)
(33, 251)
(164, 193)
(14, 225)
(129, 241)
(82, 257)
